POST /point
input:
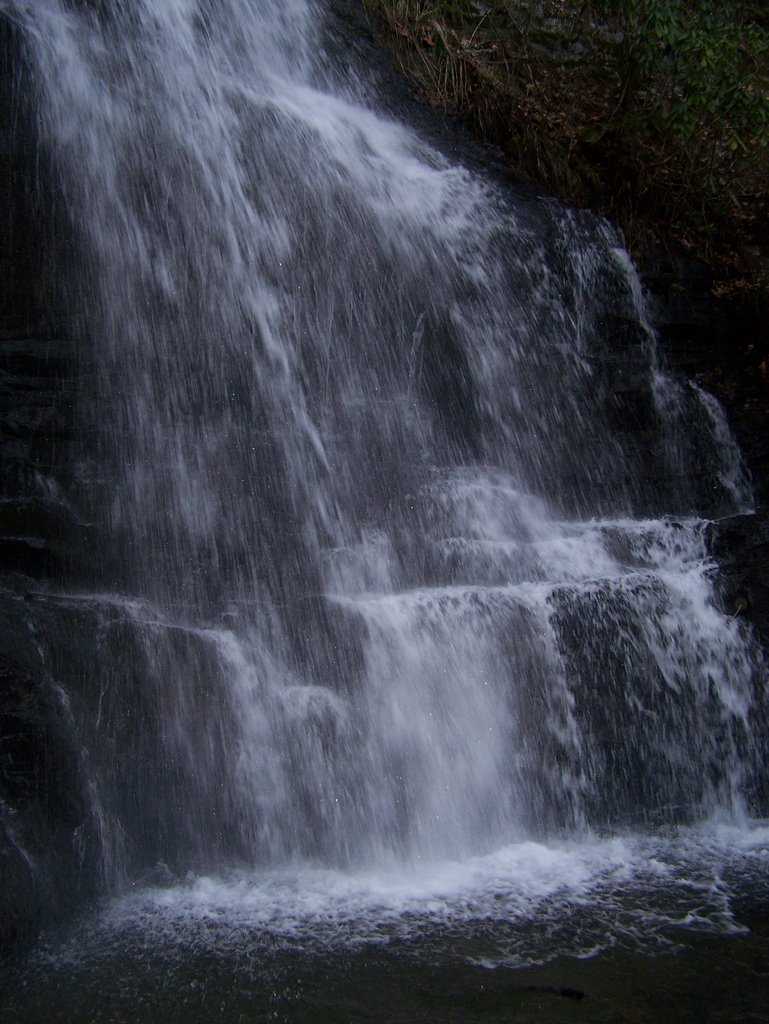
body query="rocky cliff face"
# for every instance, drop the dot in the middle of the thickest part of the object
(45, 852)
(719, 342)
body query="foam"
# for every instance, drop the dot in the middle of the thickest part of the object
(526, 902)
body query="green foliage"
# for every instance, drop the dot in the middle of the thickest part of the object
(688, 65)
(646, 108)
(694, 82)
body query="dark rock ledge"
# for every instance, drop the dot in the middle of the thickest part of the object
(720, 343)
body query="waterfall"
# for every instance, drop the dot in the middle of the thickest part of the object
(402, 532)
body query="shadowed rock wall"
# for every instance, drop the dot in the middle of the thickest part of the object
(46, 852)
(720, 342)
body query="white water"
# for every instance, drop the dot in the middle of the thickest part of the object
(410, 569)
(524, 904)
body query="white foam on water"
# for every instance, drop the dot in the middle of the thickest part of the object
(526, 902)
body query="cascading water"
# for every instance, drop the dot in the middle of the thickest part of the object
(406, 551)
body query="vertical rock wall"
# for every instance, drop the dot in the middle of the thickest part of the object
(45, 847)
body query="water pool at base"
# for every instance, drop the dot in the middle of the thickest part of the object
(623, 929)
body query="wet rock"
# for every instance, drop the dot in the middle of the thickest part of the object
(48, 848)
(47, 854)
(718, 340)
(741, 545)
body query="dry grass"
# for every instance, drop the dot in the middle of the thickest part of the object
(513, 97)
(540, 82)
